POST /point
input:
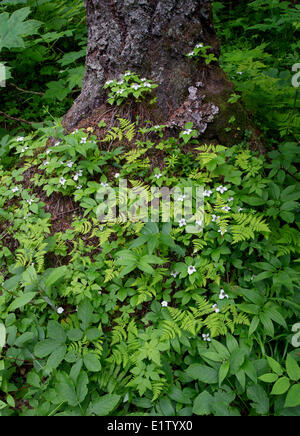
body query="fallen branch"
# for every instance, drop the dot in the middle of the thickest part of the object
(16, 119)
(26, 91)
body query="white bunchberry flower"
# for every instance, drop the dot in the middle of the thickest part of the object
(45, 163)
(252, 278)
(75, 131)
(79, 187)
(120, 91)
(56, 144)
(120, 82)
(15, 189)
(70, 164)
(191, 54)
(164, 303)
(174, 274)
(30, 201)
(181, 198)
(226, 208)
(158, 176)
(230, 199)
(48, 151)
(215, 306)
(83, 140)
(143, 79)
(222, 189)
(147, 85)
(223, 295)
(187, 132)
(75, 178)
(240, 72)
(222, 232)
(206, 338)
(240, 209)
(62, 181)
(199, 223)
(191, 270)
(128, 73)
(157, 127)
(105, 184)
(117, 175)
(60, 310)
(135, 86)
(24, 149)
(215, 218)
(199, 45)
(207, 193)
(20, 138)
(182, 223)
(109, 82)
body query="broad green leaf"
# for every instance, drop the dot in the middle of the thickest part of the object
(269, 378)
(275, 366)
(82, 386)
(223, 371)
(292, 368)
(203, 404)
(104, 405)
(293, 397)
(14, 27)
(45, 347)
(92, 362)
(257, 394)
(281, 386)
(85, 313)
(21, 301)
(56, 356)
(54, 276)
(203, 373)
(56, 332)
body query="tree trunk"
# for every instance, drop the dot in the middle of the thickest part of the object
(152, 38)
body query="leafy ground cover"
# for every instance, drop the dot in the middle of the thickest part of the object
(144, 318)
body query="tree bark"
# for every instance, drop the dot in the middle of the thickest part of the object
(152, 38)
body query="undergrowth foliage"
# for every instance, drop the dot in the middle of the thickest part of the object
(144, 318)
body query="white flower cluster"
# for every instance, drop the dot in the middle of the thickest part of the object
(77, 175)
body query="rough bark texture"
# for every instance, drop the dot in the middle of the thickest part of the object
(152, 38)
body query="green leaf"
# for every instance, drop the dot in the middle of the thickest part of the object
(14, 27)
(203, 404)
(92, 362)
(292, 368)
(237, 359)
(281, 386)
(293, 397)
(85, 313)
(56, 357)
(45, 347)
(179, 396)
(56, 332)
(66, 390)
(203, 373)
(81, 386)
(21, 301)
(275, 366)
(223, 371)
(54, 276)
(269, 378)
(104, 405)
(260, 399)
